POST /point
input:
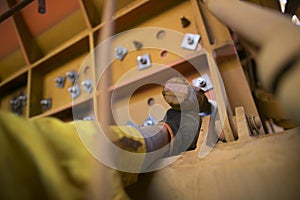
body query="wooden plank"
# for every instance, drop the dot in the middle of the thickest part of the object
(224, 109)
(242, 124)
(217, 32)
(204, 129)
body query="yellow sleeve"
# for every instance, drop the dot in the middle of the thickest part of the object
(45, 159)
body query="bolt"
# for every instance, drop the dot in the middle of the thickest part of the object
(88, 118)
(255, 124)
(70, 74)
(86, 84)
(142, 60)
(59, 80)
(119, 51)
(22, 99)
(190, 40)
(13, 102)
(72, 90)
(202, 82)
(44, 102)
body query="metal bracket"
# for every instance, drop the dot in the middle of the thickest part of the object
(120, 52)
(190, 41)
(72, 76)
(46, 103)
(60, 81)
(87, 85)
(144, 61)
(74, 91)
(203, 82)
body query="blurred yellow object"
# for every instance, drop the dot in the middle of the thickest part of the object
(45, 159)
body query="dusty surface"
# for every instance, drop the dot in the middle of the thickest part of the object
(258, 168)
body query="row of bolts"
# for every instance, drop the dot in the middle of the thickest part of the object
(18, 102)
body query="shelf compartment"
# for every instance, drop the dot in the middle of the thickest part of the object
(43, 77)
(57, 25)
(189, 68)
(63, 31)
(12, 91)
(131, 94)
(135, 107)
(11, 56)
(12, 65)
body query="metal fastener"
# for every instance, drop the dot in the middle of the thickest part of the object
(120, 52)
(190, 41)
(88, 118)
(203, 82)
(144, 61)
(74, 91)
(87, 85)
(23, 99)
(46, 103)
(72, 76)
(60, 81)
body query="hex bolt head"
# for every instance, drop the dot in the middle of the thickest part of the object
(202, 82)
(190, 40)
(142, 60)
(119, 51)
(44, 102)
(70, 74)
(13, 102)
(59, 80)
(86, 84)
(72, 90)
